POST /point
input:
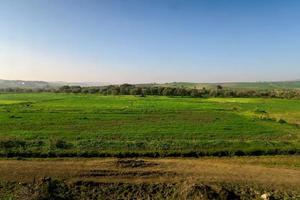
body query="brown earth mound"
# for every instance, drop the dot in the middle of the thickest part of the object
(53, 189)
(132, 163)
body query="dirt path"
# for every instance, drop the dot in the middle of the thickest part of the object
(262, 171)
(242, 177)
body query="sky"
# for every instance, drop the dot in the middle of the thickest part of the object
(139, 41)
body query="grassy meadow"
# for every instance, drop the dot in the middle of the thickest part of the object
(48, 124)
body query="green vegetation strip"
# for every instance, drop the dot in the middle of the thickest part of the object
(51, 125)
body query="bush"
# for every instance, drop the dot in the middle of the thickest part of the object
(60, 144)
(259, 111)
(282, 121)
(8, 144)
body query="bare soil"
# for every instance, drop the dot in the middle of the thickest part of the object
(276, 177)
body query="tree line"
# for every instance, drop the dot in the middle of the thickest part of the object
(129, 89)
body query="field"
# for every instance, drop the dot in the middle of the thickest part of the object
(123, 134)
(48, 125)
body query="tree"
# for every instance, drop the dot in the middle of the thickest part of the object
(136, 91)
(75, 89)
(219, 87)
(125, 88)
(64, 88)
(168, 91)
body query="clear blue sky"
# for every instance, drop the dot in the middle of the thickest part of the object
(150, 40)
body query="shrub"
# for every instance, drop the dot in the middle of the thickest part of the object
(8, 144)
(60, 144)
(282, 121)
(259, 111)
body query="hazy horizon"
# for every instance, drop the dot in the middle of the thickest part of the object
(116, 82)
(150, 41)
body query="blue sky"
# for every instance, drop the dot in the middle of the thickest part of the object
(150, 40)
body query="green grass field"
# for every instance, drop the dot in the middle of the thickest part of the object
(48, 124)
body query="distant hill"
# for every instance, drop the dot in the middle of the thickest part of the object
(25, 84)
(82, 84)
(236, 85)
(43, 84)
(265, 85)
